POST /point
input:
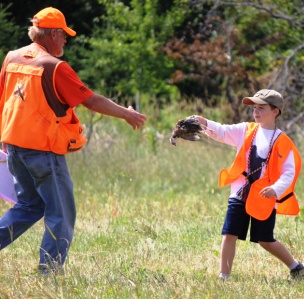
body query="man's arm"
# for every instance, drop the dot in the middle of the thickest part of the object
(103, 105)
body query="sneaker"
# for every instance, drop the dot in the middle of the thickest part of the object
(224, 277)
(298, 271)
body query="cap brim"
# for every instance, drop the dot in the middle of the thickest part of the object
(253, 100)
(69, 31)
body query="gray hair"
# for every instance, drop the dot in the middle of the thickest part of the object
(36, 33)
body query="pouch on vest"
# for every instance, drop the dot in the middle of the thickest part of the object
(258, 206)
(65, 134)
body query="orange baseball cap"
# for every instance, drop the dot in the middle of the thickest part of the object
(51, 17)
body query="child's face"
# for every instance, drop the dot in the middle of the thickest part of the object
(264, 115)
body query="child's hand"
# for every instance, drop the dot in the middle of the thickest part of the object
(268, 192)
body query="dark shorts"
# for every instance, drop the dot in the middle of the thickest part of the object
(237, 223)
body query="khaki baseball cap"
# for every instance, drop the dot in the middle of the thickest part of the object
(51, 17)
(264, 97)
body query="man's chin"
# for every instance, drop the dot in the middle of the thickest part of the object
(60, 54)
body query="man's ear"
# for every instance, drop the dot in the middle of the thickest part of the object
(53, 33)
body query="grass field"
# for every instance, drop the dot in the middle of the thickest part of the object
(149, 226)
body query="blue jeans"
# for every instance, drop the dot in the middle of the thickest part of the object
(44, 189)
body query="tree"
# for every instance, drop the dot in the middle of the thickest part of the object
(233, 48)
(9, 32)
(80, 15)
(125, 59)
(273, 29)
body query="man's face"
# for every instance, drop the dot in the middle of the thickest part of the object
(59, 39)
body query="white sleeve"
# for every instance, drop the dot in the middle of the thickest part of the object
(288, 172)
(229, 134)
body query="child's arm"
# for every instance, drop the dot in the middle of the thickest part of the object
(229, 134)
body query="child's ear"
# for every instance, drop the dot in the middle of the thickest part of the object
(277, 112)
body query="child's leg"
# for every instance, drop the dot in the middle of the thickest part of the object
(235, 227)
(280, 251)
(227, 253)
(263, 230)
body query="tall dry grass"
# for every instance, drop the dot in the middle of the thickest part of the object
(149, 226)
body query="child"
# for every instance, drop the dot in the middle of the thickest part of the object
(262, 179)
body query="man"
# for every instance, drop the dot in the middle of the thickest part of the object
(38, 126)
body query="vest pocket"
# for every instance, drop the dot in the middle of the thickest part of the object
(66, 134)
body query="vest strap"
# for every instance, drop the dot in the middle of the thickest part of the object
(285, 197)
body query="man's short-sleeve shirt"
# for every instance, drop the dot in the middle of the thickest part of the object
(70, 89)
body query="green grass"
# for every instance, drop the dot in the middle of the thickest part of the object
(149, 226)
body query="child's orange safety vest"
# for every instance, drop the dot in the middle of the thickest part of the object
(259, 206)
(31, 113)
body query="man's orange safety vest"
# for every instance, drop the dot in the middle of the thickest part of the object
(31, 113)
(259, 206)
